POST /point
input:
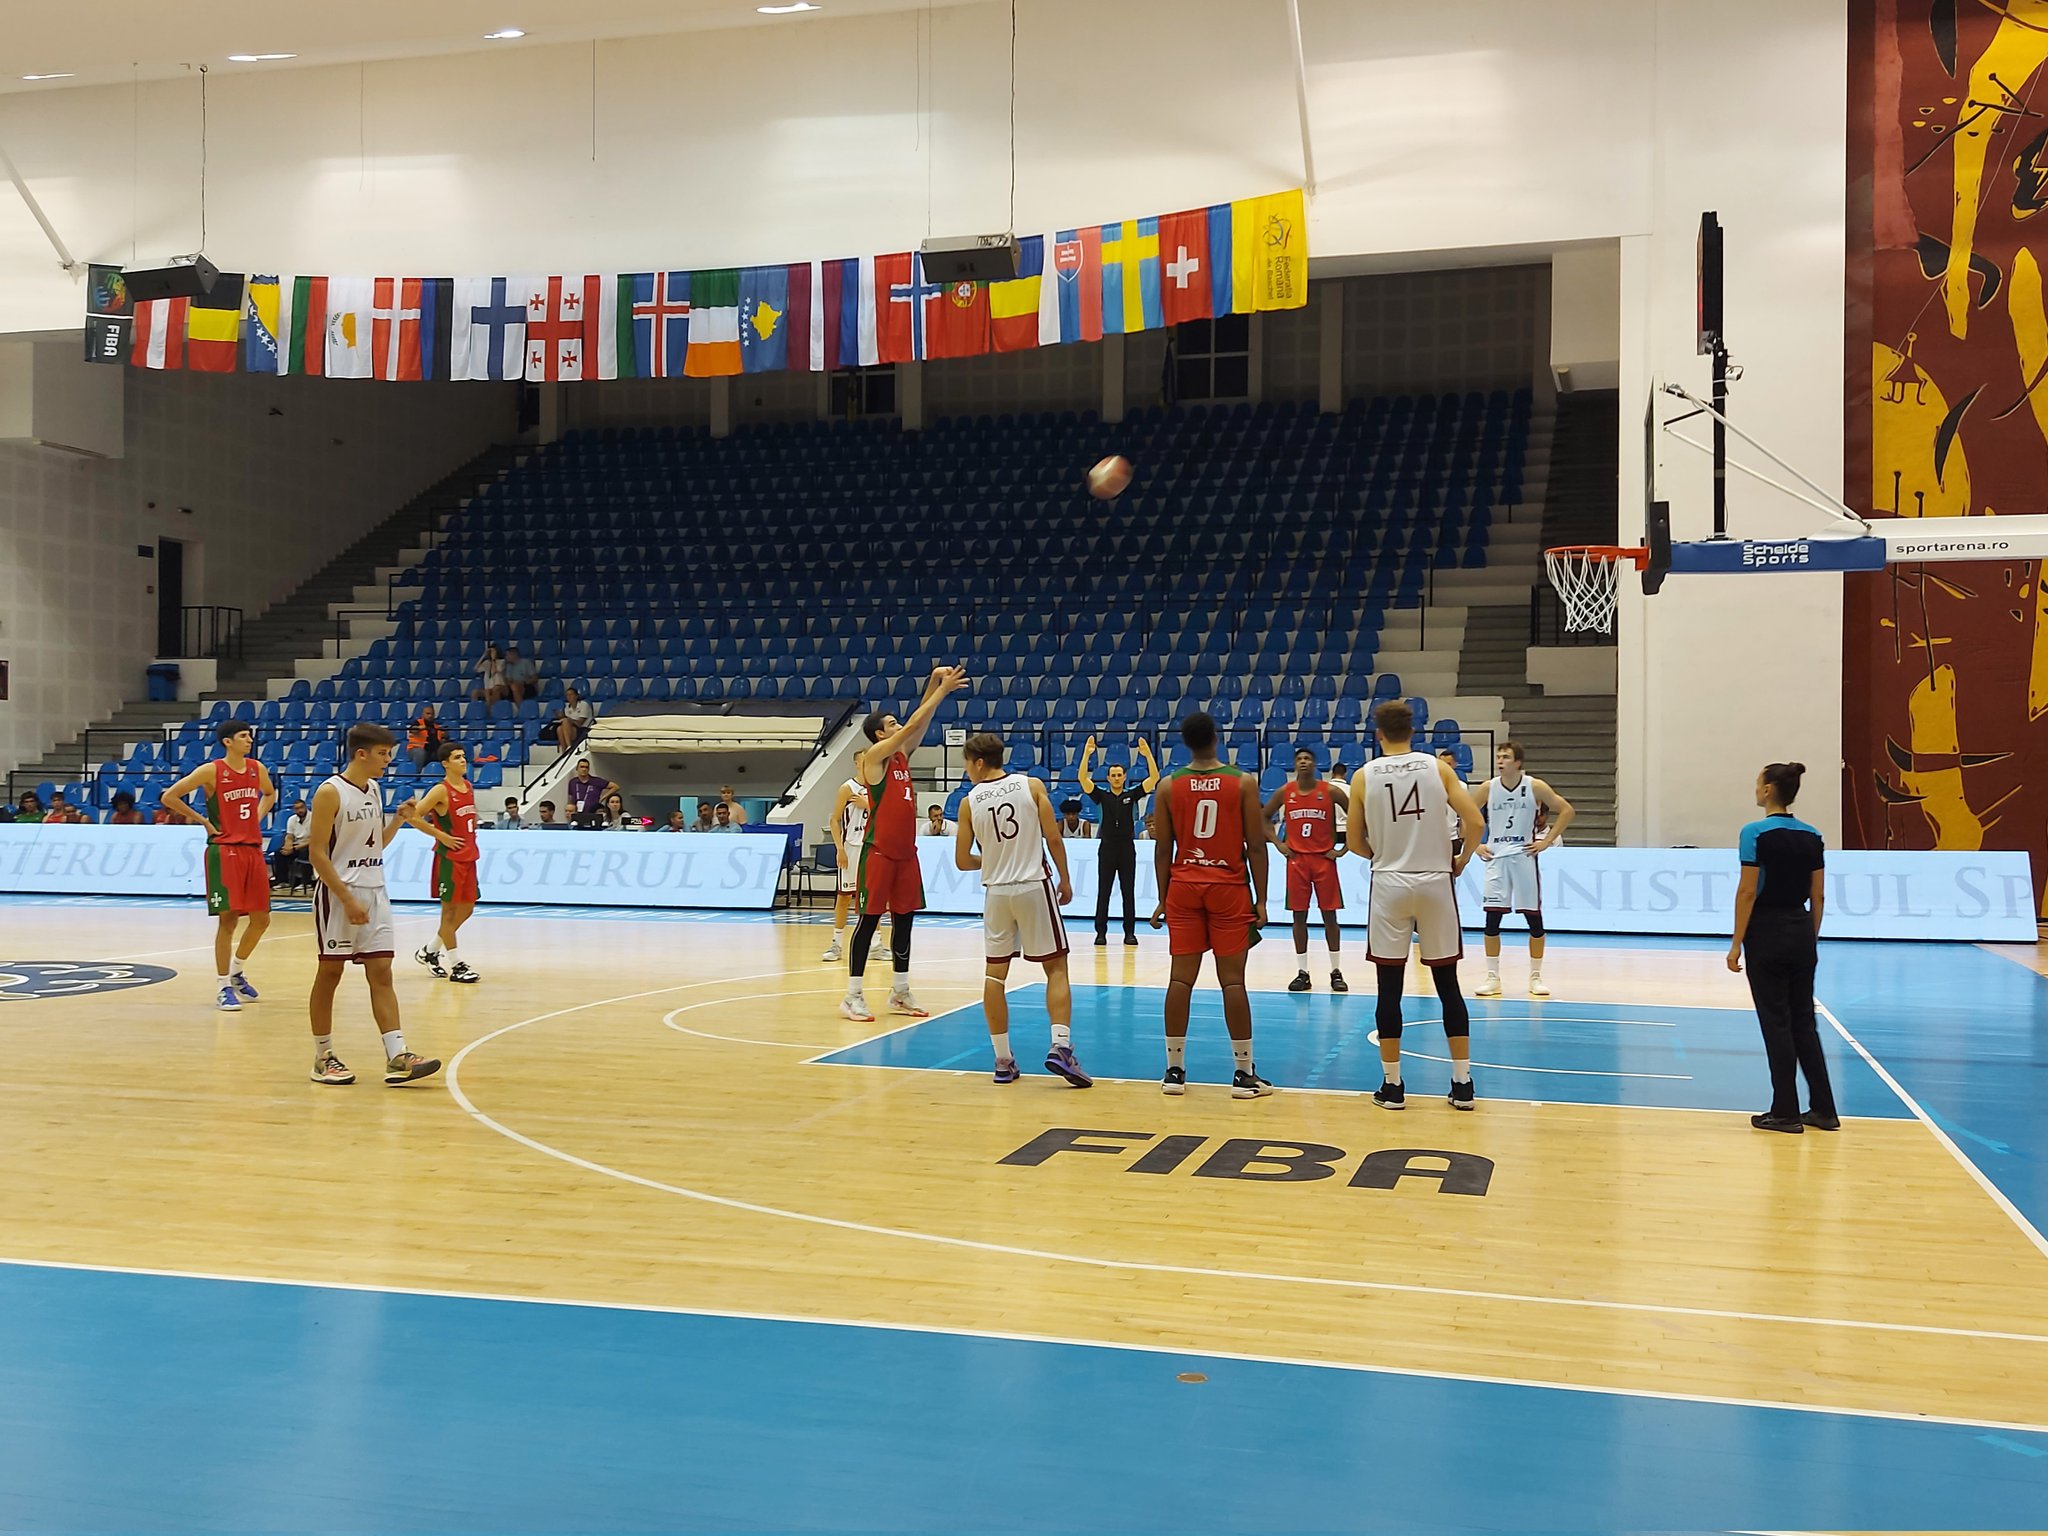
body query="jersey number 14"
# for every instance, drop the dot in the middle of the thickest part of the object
(1410, 804)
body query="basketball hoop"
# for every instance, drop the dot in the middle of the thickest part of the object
(1588, 579)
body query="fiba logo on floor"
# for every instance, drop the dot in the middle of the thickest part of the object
(23, 979)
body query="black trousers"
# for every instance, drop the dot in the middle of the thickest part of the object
(1116, 861)
(1779, 954)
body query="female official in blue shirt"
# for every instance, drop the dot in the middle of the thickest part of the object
(1777, 930)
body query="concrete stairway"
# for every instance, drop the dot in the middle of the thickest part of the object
(279, 643)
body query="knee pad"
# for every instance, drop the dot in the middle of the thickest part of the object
(1457, 1029)
(1493, 924)
(1535, 924)
(1391, 1030)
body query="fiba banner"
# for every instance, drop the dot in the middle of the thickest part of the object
(1883, 895)
(567, 868)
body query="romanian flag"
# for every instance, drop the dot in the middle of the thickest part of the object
(1013, 306)
(714, 350)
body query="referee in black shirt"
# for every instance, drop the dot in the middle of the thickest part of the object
(1117, 846)
(1777, 930)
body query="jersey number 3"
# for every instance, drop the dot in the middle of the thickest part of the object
(1411, 803)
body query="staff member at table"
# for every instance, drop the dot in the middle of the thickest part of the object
(1777, 930)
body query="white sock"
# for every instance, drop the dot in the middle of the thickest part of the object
(838, 936)
(855, 992)
(226, 977)
(901, 985)
(1241, 1050)
(1333, 957)
(1461, 1071)
(394, 1044)
(1535, 970)
(1493, 970)
(239, 963)
(1063, 1034)
(1002, 1044)
(450, 957)
(1176, 1051)
(323, 1047)
(1392, 1074)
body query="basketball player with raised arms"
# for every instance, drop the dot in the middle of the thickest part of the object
(1009, 817)
(1397, 820)
(849, 827)
(239, 797)
(352, 909)
(1307, 806)
(449, 810)
(890, 880)
(1524, 816)
(1207, 839)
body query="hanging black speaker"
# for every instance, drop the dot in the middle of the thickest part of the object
(185, 280)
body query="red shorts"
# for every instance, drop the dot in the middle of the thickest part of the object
(454, 879)
(1313, 873)
(237, 879)
(1208, 918)
(889, 884)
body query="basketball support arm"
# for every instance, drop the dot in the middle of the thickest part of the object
(64, 256)
(1908, 540)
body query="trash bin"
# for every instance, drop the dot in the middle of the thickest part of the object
(163, 683)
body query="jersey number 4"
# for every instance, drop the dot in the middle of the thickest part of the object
(1410, 805)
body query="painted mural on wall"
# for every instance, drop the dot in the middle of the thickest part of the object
(1946, 725)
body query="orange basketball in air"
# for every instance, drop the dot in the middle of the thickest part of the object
(1108, 478)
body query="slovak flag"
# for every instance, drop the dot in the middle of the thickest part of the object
(1072, 300)
(1184, 266)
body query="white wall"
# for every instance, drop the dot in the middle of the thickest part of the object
(1585, 315)
(272, 498)
(1457, 126)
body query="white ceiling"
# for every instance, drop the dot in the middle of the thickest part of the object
(160, 39)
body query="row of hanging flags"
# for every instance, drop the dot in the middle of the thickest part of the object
(1071, 285)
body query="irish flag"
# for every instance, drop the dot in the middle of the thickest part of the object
(714, 324)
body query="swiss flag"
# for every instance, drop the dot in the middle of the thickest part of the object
(957, 323)
(1184, 266)
(896, 327)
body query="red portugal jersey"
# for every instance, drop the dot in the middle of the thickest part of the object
(892, 817)
(1207, 807)
(1309, 818)
(460, 821)
(233, 802)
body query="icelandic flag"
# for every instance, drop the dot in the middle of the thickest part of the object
(661, 324)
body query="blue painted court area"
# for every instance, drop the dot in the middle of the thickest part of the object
(1553, 1051)
(130, 1401)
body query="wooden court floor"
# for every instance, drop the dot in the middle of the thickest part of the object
(635, 1112)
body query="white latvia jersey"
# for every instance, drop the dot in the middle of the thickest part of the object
(856, 827)
(1404, 815)
(1511, 815)
(1006, 826)
(357, 843)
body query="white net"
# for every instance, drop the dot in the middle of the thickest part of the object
(1587, 580)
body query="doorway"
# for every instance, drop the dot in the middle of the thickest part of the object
(170, 597)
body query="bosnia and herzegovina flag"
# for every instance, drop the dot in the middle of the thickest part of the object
(260, 326)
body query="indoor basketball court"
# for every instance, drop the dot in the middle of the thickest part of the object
(1442, 424)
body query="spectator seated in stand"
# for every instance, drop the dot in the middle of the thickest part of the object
(573, 723)
(522, 676)
(547, 817)
(124, 813)
(730, 801)
(490, 677)
(291, 864)
(704, 820)
(675, 823)
(1071, 824)
(721, 819)
(161, 816)
(29, 807)
(425, 738)
(936, 824)
(63, 813)
(509, 819)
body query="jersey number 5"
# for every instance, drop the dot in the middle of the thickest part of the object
(1411, 803)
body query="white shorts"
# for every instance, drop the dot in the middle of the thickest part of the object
(1513, 883)
(339, 939)
(1424, 905)
(849, 877)
(1023, 920)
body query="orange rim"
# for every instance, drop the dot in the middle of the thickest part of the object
(1639, 555)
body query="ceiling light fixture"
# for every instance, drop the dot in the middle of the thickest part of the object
(61, 75)
(788, 10)
(258, 58)
(503, 35)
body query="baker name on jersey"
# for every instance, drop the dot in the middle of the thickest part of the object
(1265, 1162)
